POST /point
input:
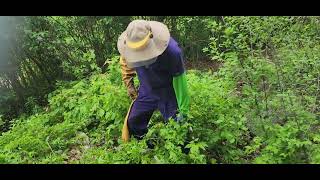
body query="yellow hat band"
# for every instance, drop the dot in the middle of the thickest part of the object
(139, 44)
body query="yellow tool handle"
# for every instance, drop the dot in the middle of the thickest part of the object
(125, 130)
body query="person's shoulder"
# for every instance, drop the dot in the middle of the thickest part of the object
(173, 47)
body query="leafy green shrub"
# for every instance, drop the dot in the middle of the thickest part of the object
(73, 110)
(275, 76)
(95, 108)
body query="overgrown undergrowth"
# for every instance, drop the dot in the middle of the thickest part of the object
(83, 122)
(262, 106)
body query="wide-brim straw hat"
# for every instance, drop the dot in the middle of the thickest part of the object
(143, 41)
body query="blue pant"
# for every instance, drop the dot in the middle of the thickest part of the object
(142, 110)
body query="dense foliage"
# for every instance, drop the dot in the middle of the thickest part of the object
(62, 99)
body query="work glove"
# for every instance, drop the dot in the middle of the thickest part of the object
(132, 92)
(180, 117)
(128, 75)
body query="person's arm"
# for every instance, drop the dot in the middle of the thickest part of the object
(128, 75)
(179, 81)
(181, 90)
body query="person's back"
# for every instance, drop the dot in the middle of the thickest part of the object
(156, 79)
